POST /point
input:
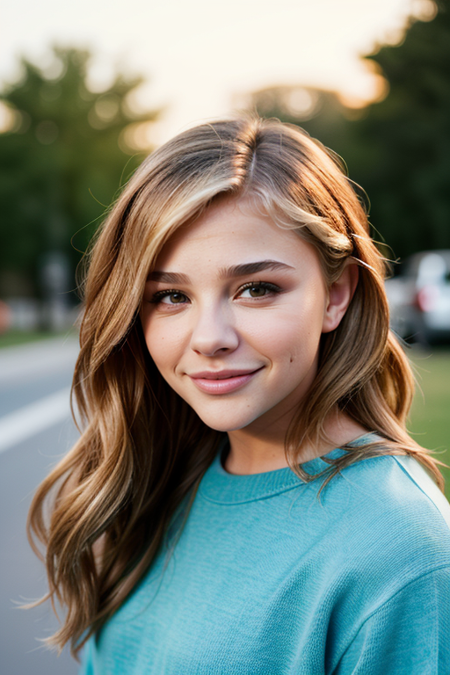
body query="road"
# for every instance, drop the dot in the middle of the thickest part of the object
(35, 430)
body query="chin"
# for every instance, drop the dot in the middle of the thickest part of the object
(222, 426)
(224, 423)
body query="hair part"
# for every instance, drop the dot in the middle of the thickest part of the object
(143, 451)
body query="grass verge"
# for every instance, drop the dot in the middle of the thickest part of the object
(430, 419)
(19, 337)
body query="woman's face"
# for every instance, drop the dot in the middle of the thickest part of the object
(233, 314)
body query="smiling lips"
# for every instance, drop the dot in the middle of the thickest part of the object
(222, 381)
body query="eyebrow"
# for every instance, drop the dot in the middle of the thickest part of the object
(224, 272)
(253, 268)
(168, 277)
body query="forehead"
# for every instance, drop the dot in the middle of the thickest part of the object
(232, 231)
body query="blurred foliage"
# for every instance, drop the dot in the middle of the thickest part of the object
(61, 162)
(398, 149)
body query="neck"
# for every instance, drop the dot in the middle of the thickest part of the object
(259, 451)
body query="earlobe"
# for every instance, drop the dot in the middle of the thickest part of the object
(340, 295)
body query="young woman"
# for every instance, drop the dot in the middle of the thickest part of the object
(244, 498)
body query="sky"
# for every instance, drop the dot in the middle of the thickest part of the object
(202, 58)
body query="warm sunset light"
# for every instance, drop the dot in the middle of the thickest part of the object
(201, 62)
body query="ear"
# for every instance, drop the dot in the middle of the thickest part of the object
(340, 294)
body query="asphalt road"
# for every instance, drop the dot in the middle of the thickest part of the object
(35, 430)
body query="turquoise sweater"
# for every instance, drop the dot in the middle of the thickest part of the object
(266, 579)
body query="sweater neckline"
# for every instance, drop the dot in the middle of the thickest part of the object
(222, 487)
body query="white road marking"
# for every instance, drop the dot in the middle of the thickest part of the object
(33, 418)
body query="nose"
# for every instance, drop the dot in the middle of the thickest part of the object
(213, 331)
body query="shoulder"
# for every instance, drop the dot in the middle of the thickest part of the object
(388, 529)
(391, 514)
(422, 488)
(397, 484)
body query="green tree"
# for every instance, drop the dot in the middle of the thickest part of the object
(408, 139)
(64, 158)
(398, 149)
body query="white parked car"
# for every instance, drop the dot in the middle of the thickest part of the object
(419, 298)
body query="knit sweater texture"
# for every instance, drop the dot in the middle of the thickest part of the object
(269, 578)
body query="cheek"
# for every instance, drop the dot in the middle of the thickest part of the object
(164, 345)
(286, 335)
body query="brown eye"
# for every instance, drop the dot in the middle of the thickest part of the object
(174, 298)
(169, 298)
(257, 291)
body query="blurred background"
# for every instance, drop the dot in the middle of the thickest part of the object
(87, 91)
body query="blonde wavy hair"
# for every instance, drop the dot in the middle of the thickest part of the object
(143, 450)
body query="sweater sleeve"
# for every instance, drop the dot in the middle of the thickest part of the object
(408, 635)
